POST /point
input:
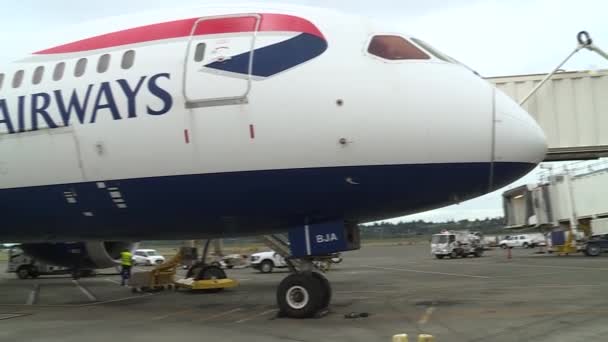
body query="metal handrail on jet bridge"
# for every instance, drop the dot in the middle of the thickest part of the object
(584, 42)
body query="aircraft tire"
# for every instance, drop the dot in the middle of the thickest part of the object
(195, 270)
(300, 296)
(326, 288)
(211, 272)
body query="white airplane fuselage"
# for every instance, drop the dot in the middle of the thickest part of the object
(175, 129)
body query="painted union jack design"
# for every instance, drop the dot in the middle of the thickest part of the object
(300, 41)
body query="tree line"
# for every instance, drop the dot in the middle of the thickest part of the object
(387, 230)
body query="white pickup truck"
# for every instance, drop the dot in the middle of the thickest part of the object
(265, 262)
(523, 240)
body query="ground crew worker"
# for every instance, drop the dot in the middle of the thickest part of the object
(126, 260)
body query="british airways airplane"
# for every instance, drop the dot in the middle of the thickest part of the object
(243, 120)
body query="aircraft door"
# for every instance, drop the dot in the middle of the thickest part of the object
(219, 60)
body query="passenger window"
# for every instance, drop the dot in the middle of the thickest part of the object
(128, 59)
(1, 80)
(18, 79)
(58, 72)
(81, 67)
(38, 73)
(103, 64)
(199, 54)
(395, 48)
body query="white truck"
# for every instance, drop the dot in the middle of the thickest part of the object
(26, 267)
(523, 240)
(456, 244)
(265, 262)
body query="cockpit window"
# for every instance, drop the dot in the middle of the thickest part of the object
(436, 53)
(439, 55)
(395, 48)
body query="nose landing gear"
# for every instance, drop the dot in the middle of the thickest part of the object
(306, 292)
(303, 295)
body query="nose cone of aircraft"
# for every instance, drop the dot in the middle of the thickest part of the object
(519, 141)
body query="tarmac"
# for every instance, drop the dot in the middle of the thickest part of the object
(403, 289)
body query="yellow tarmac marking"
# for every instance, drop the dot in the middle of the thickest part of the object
(427, 272)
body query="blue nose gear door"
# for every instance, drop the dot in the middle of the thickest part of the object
(219, 60)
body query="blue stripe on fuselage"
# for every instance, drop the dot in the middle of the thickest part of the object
(276, 58)
(239, 203)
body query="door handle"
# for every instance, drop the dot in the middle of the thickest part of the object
(221, 59)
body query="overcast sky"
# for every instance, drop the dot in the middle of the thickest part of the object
(492, 37)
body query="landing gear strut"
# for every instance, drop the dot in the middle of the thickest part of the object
(204, 271)
(303, 294)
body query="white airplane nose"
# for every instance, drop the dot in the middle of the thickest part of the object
(518, 137)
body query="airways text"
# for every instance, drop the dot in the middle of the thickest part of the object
(118, 99)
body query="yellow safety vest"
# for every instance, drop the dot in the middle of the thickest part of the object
(125, 258)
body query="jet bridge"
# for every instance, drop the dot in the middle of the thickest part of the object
(570, 198)
(571, 107)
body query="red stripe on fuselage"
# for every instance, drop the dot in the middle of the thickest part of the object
(183, 28)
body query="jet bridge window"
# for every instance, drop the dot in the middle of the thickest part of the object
(18, 79)
(37, 76)
(395, 48)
